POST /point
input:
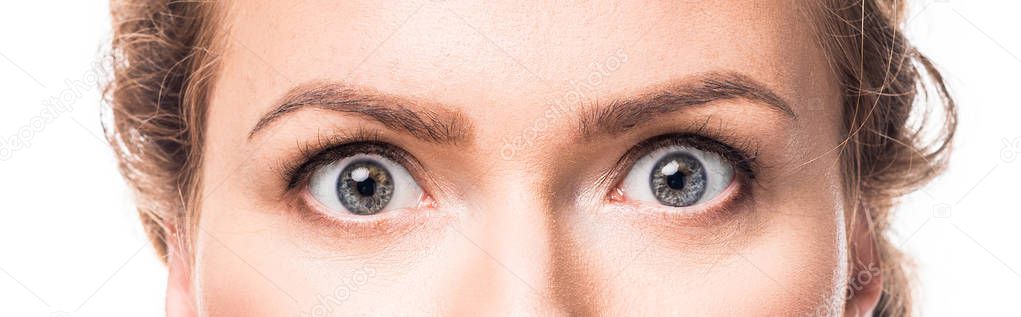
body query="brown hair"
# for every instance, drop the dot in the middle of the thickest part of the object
(165, 63)
(885, 155)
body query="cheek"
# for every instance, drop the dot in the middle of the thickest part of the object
(798, 266)
(801, 256)
(258, 261)
(789, 259)
(232, 279)
(248, 264)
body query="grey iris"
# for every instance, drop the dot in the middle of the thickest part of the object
(678, 180)
(364, 187)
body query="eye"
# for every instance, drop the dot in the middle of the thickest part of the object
(678, 176)
(364, 184)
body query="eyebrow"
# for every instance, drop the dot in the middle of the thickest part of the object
(621, 115)
(397, 113)
(451, 127)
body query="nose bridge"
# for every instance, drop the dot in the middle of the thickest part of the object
(514, 238)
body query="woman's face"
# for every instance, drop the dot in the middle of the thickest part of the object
(457, 158)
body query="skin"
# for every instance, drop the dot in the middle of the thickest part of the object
(518, 222)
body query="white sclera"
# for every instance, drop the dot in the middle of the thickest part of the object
(323, 183)
(719, 173)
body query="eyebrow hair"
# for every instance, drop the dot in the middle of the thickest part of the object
(621, 115)
(401, 114)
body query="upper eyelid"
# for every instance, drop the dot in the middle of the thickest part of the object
(335, 153)
(617, 173)
(692, 140)
(333, 150)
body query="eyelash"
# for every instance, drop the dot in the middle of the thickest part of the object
(742, 161)
(744, 164)
(328, 149)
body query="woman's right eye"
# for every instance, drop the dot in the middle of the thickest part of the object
(364, 184)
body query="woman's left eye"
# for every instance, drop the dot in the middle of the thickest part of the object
(364, 184)
(678, 176)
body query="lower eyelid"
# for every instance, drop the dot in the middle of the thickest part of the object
(714, 211)
(739, 159)
(385, 223)
(327, 235)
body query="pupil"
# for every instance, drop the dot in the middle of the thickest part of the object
(675, 181)
(678, 180)
(366, 187)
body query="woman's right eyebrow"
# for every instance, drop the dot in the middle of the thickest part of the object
(427, 122)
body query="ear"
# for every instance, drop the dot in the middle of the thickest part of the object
(180, 300)
(865, 284)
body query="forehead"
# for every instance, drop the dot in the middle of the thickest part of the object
(498, 58)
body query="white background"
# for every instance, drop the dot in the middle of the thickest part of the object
(71, 244)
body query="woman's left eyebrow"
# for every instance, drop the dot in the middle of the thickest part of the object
(430, 123)
(621, 115)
